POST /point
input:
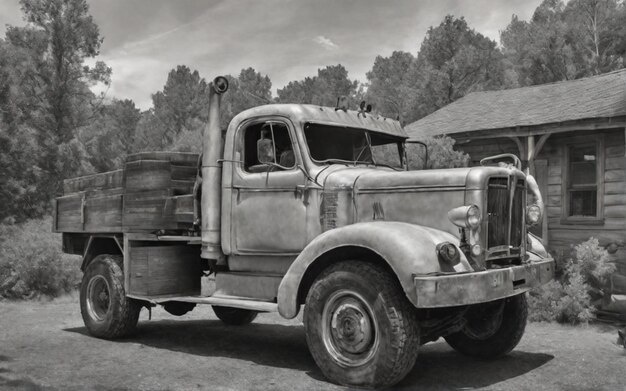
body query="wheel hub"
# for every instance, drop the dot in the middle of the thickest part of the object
(98, 298)
(349, 328)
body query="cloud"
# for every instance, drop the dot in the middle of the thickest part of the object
(325, 42)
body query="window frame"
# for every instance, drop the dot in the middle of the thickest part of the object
(566, 188)
(240, 144)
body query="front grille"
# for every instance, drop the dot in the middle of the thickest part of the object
(505, 216)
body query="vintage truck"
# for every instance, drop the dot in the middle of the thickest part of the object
(295, 206)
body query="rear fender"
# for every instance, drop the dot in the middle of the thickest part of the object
(407, 249)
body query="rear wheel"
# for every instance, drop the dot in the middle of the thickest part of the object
(491, 329)
(234, 316)
(106, 310)
(360, 327)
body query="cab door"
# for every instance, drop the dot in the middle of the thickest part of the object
(268, 206)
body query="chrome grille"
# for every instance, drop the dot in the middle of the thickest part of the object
(505, 224)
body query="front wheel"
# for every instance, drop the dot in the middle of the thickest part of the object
(106, 310)
(491, 329)
(360, 327)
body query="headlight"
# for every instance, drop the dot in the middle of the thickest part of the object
(466, 216)
(533, 214)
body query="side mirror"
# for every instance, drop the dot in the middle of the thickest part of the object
(413, 156)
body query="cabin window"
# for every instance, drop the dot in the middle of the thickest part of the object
(583, 182)
(270, 139)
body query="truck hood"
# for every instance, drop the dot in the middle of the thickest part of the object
(367, 178)
(418, 197)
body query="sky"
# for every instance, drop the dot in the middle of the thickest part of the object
(284, 39)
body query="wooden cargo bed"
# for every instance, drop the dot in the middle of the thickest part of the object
(154, 191)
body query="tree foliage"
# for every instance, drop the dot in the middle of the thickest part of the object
(46, 98)
(111, 135)
(454, 60)
(324, 89)
(248, 90)
(183, 101)
(392, 85)
(564, 42)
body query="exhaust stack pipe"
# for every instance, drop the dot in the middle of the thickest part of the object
(212, 148)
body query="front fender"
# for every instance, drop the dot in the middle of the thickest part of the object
(407, 248)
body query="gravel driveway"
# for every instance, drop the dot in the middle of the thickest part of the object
(44, 346)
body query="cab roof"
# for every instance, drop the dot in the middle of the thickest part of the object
(327, 116)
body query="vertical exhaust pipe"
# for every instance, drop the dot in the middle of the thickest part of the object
(212, 148)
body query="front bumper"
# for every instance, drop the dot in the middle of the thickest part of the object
(479, 287)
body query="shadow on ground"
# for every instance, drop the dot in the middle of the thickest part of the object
(438, 366)
(264, 344)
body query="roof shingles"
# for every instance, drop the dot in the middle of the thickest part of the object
(592, 97)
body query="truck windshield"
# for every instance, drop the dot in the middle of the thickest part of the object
(334, 144)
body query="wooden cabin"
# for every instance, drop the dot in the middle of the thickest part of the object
(571, 136)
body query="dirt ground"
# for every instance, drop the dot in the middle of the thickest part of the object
(44, 346)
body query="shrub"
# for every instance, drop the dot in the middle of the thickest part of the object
(579, 281)
(441, 154)
(32, 263)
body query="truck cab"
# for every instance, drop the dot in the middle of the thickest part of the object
(302, 206)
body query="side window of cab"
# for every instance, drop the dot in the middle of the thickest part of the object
(267, 147)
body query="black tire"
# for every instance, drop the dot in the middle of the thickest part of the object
(234, 316)
(507, 320)
(378, 341)
(106, 310)
(178, 308)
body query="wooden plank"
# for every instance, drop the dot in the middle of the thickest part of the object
(554, 170)
(94, 193)
(105, 180)
(184, 173)
(103, 214)
(614, 151)
(615, 188)
(174, 270)
(183, 208)
(553, 200)
(138, 270)
(554, 189)
(580, 235)
(178, 158)
(145, 175)
(552, 211)
(556, 223)
(615, 199)
(69, 211)
(182, 187)
(615, 175)
(615, 211)
(615, 163)
(555, 180)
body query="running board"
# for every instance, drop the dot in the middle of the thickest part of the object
(224, 301)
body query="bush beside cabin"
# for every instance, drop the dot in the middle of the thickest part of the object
(292, 207)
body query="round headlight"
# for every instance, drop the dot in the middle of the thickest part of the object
(473, 217)
(467, 216)
(533, 214)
